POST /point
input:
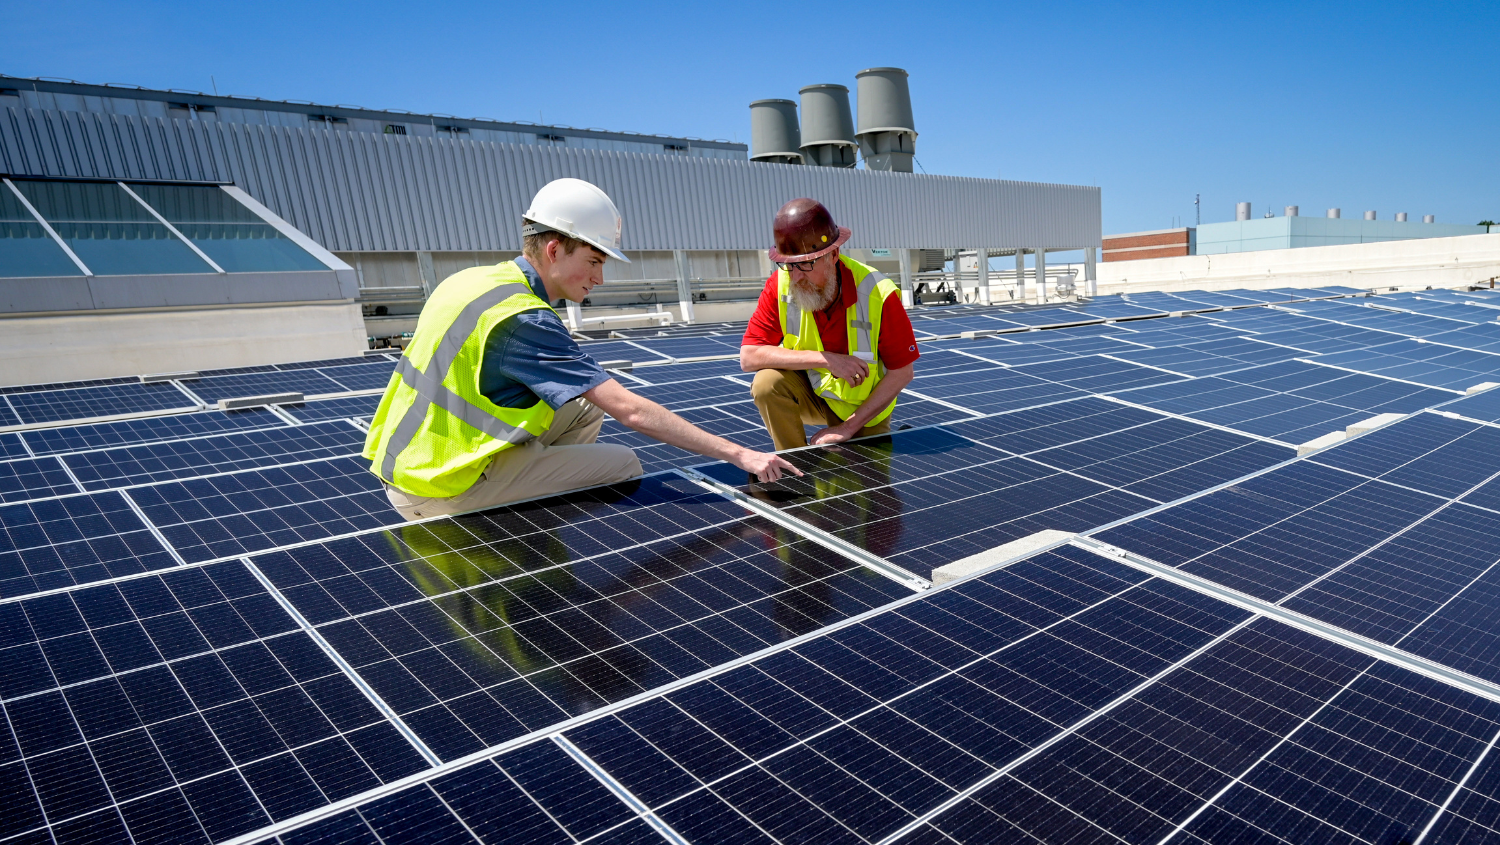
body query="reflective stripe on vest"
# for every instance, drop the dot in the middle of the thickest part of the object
(862, 336)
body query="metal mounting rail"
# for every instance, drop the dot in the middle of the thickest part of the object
(828, 541)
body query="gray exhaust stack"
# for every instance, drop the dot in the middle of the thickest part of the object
(773, 132)
(887, 134)
(1400, 217)
(1428, 218)
(1369, 215)
(1241, 211)
(827, 126)
(1291, 210)
(1335, 213)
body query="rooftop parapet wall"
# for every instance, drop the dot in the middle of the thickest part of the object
(1419, 263)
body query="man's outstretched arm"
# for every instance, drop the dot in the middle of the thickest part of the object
(891, 385)
(653, 420)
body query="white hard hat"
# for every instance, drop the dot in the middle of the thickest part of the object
(579, 210)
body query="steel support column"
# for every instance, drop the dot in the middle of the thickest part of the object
(1041, 274)
(684, 285)
(906, 285)
(982, 265)
(1020, 275)
(1090, 272)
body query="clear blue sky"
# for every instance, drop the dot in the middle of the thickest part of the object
(1376, 105)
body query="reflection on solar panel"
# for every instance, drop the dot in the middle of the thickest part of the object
(1423, 363)
(1242, 645)
(306, 382)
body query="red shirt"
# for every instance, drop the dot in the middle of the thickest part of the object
(898, 344)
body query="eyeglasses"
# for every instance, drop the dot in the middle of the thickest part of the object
(804, 266)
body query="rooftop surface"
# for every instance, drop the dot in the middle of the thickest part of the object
(216, 629)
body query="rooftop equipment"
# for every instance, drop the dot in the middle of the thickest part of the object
(1428, 218)
(774, 136)
(1400, 217)
(1291, 211)
(828, 126)
(1369, 215)
(1241, 211)
(1335, 213)
(887, 134)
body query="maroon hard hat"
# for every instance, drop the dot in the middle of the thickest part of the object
(805, 230)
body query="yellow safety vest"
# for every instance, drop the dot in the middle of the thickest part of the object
(799, 331)
(434, 432)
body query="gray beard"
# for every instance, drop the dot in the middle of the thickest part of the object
(810, 300)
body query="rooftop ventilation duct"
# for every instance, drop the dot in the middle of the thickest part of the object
(773, 132)
(1369, 215)
(1428, 218)
(887, 134)
(1291, 210)
(827, 126)
(1335, 213)
(1241, 211)
(1400, 217)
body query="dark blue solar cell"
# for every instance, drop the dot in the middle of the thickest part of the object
(90, 402)
(342, 407)
(48, 441)
(306, 382)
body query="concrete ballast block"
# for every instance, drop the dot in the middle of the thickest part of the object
(1323, 442)
(1000, 554)
(1482, 387)
(152, 378)
(1364, 426)
(257, 401)
(978, 333)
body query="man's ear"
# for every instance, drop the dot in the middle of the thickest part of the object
(551, 249)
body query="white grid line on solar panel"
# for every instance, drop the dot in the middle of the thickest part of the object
(206, 749)
(627, 375)
(23, 479)
(1058, 617)
(1355, 735)
(1261, 437)
(692, 394)
(1480, 338)
(678, 348)
(1090, 373)
(53, 406)
(129, 466)
(215, 517)
(675, 373)
(150, 526)
(994, 389)
(12, 445)
(1458, 790)
(865, 495)
(471, 668)
(168, 550)
(318, 410)
(327, 363)
(806, 746)
(81, 438)
(307, 382)
(1439, 364)
(1403, 323)
(625, 795)
(55, 543)
(307, 628)
(1134, 461)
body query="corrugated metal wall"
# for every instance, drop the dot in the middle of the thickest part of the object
(355, 191)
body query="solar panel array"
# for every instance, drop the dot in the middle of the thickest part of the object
(214, 628)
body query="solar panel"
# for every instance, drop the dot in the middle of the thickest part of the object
(696, 347)
(673, 373)
(619, 350)
(50, 406)
(11, 446)
(993, 389)
(54, 441)
(182, 705)
(1424, 363)
(34, 478)
(1483, 338)
(56, 543)
(333, 362)
(338, 408)
(1097, 373)
(480, 629)
(737, 422)
(134, 465)
(306, 382)
(368, 376)
(924, 498)
(240, 512)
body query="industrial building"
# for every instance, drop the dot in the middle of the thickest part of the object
(1290, 230)
(404, 208)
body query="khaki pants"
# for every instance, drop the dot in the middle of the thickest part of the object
(786, 401)
(564, 458)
